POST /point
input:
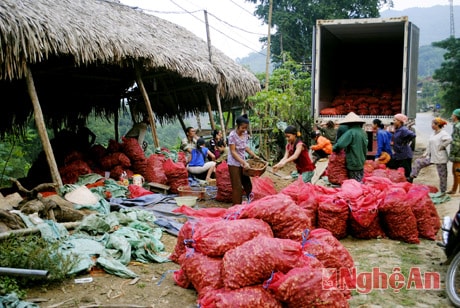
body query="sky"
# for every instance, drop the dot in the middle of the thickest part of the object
(233, 28)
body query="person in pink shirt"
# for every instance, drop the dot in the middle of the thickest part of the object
(238, 146)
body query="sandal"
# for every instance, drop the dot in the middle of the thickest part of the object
(450, 192)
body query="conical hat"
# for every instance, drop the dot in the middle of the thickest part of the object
(352, 118)
(82, 196)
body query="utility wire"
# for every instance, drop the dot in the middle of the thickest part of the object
(230, 25)
(185, 11)
(241, 7)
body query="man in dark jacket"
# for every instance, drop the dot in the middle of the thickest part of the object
(402, 151)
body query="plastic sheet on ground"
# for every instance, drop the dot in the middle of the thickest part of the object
(160, 205)
(11, 300)
(115, 239)
(439, 197)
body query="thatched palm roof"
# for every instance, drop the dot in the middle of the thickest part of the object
(83, 55)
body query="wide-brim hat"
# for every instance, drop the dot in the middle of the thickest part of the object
(352, 118)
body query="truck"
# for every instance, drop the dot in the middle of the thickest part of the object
(365, 65)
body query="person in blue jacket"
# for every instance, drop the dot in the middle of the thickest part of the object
(384, 151)
(198, 163)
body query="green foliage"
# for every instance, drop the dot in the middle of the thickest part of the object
(33, 252)
(430, 92)
(295, 21)
(10, 285)
(448, 75)
(16, 155)
(287, 99)
(168, 134)
(429, 59)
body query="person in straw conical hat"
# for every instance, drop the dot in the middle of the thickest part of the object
(354, 142)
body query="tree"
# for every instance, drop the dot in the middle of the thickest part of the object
(295, 20)
(288, 100)
(448, 75)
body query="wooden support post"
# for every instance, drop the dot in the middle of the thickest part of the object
(40, 123)
(145, 95)
(221, 117)
(208, 37)
(208, 105)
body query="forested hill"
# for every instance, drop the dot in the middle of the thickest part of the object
(434, 25)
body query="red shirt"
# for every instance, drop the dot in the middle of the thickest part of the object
(303, 162)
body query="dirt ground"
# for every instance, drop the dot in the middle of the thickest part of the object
(155, 286)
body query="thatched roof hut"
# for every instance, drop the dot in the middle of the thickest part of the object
(84, 54)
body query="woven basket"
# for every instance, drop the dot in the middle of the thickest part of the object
(257, 167)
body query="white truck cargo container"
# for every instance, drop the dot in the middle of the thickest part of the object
(368, 66)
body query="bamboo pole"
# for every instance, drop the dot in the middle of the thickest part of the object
(221, 117)
(145, 95)
(219, 106)
(208, 105)
(40, 123)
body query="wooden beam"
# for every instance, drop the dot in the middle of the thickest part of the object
(140, 83)
(40, 123)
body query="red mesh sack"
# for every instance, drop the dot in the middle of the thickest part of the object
(184, 237)
(154, 171)
(262, 186)
(181, 158)
(396, 176)
(114, 146)
(215, 239)
(117, 171)
(137, 191)
(323, 245)
(203, 272)
(253, 261)
(311, 209)
(97, 151)
(362, 202)
(398, 220)
(177, 175)
(73, 156)
(373, 230)
(114, 159)
(333, 215)
(428, 220)
(181, 279)
(206, 212)
(303, 287)
(71, 172)
(139, 166)
(132, 149)
(248, 297)
(235, 211)
(300, 191)
(278, 211)
(223, 183)
(336, 168)
(328, 111)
